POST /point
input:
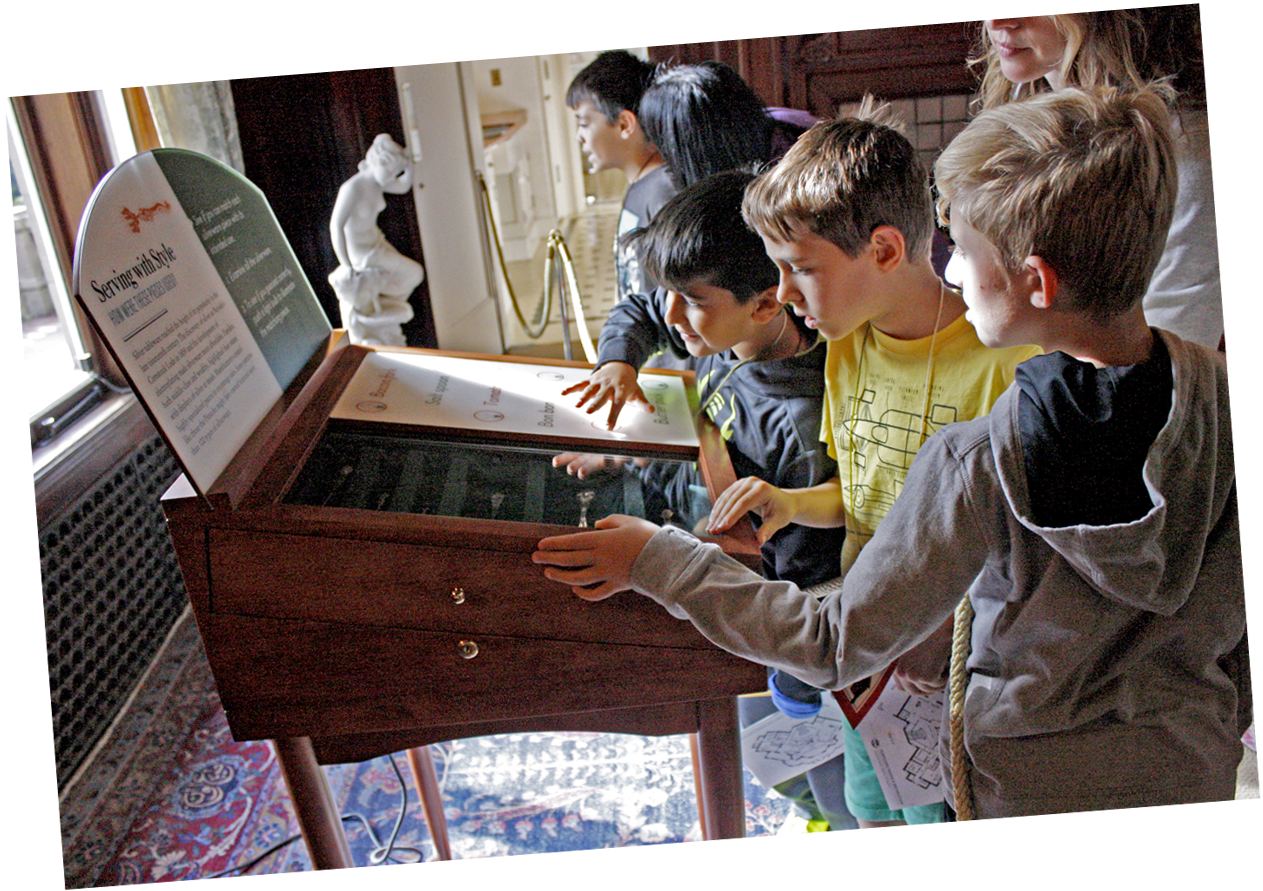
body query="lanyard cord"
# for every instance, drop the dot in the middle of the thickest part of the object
(702, 403)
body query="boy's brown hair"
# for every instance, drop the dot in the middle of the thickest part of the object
(1084, 179)
(841, 180)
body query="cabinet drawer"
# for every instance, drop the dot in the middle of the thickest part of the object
(390, 584)
(323, 680)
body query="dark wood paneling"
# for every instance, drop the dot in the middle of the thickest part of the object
(302, 136)
(820, 72)
(891, 63)
(758, 61)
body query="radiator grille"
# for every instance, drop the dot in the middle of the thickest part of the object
(112, 591)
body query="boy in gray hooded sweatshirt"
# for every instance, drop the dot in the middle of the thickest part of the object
(1090, 520)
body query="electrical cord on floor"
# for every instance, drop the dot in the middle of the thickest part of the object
(381, 853)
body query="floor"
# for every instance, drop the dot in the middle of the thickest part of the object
(169, 795)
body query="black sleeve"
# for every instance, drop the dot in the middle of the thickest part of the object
(636, 329)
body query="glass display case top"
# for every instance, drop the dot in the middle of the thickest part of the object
(516, 483)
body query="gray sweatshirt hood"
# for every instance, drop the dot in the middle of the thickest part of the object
(1151, 563)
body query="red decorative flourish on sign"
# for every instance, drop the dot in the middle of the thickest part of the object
(145, 214)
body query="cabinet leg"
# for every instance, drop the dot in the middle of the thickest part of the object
(431, 799)
(695, 752)
(719, 755)
(317, 812)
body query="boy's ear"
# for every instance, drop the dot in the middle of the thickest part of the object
(1043, 282)
(889, 248)
(626, 123)
(765, 306)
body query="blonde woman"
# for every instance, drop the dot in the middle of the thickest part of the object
(1128, 48)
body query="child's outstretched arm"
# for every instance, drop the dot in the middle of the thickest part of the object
(903, 587)
(596, 564)
(819, 506)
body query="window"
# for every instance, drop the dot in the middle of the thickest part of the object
(51, 182)
(55, 358)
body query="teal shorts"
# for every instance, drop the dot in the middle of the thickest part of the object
(864, 797)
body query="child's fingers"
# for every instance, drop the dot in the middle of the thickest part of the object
(584, 582)
(721, 520)
(590, 390)
(562, 458)
(638, 396)
(721, 510)
(599, 592)
(558, 544)
(598, 399)
(567, 558)
(727, 514)
(581, 576)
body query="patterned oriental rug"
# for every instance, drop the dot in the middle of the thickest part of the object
(170, 796)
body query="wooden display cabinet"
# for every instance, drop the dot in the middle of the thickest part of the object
(359, 563)
(353, 631)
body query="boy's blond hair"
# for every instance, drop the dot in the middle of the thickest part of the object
(841, 180)
(1083, 179)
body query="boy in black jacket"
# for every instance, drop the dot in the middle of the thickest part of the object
(759, 379)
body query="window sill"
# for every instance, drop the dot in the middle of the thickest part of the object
(73, 462)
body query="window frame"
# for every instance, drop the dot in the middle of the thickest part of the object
(66, 139)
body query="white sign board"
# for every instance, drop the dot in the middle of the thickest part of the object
(509, 398)
(901, 733)
(185, 272)
(778, 747)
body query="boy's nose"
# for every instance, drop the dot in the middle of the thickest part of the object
(785, 293)
(953, 274)
(675, 306)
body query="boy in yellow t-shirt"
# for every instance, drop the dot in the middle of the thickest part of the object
(847, 216)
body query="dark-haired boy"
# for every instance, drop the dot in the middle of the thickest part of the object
(759, 377)
(604, 97)
(1106, 662)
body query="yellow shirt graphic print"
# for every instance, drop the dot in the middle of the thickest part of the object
(878, 410)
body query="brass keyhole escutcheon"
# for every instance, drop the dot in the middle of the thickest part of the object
(458, 595)
(467, 649)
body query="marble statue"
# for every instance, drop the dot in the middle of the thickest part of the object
(373, 281)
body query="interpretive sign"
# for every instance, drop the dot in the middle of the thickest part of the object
(182, 267)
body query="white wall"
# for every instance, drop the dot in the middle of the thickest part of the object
(448, 204)
(517, 86)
